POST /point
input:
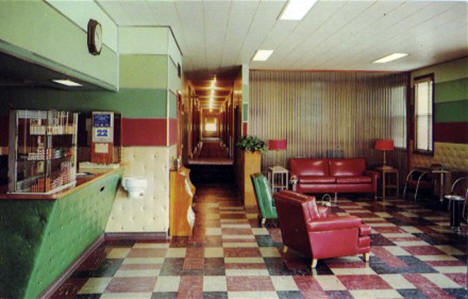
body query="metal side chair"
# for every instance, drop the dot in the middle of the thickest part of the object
(418, 178)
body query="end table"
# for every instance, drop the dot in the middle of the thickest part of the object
(279, 178)
(385, 171)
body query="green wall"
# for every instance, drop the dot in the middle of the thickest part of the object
(143, 94)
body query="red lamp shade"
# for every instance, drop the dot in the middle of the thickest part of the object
(277, 144)
(383, 145)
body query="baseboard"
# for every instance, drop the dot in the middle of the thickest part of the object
(137, 236)
(72, 268)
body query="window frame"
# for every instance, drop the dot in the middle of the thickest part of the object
(415, 122)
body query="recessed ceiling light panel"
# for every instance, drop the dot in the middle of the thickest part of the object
(391, 57)
(67, 82)
(262, 55)
(295, 10)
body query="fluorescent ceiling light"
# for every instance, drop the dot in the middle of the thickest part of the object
(295, 10)
(67, 82)
(390, 57)
(262, 55)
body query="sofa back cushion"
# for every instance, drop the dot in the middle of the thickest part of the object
(309, 167)
(347, 167)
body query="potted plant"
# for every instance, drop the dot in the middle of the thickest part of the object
(250, 163)
(252, 144)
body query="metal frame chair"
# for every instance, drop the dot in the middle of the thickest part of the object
(452, 191)
(420, 177)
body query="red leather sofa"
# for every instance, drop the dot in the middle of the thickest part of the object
(333, 176)
(319, 235)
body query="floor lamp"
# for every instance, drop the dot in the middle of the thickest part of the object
(277, 145)
(384, 145)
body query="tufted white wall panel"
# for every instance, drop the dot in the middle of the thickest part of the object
(451, 155)
(150, 213)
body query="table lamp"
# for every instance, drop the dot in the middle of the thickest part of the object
(384, 145)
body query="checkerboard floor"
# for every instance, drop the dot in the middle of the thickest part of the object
(414, 255)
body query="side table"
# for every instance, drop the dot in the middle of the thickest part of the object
(279, 178)
(386, 171)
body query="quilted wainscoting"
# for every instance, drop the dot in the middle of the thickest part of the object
(451, 155)
(42, 238)
(150, 213)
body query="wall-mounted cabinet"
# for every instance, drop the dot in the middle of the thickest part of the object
(42, 151)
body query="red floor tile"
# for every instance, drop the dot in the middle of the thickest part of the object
(460, 278)
(389, 230)
(245, 266)
(131, 285)
(423, 250)
(193, 263)
(242, 252)
(249, 283)
(309, 287)
(236, 231)
(190, 287)
(363, 282)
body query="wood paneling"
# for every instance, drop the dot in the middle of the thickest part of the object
(328, 114)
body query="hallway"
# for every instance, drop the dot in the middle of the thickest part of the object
(211, 153)
(414, 254)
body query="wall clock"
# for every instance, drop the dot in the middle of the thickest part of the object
(94, 37)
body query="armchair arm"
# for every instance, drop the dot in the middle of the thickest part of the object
(333, 223)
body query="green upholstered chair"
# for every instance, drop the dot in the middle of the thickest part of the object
(265, 201)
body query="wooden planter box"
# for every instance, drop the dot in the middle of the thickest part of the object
(250, 163)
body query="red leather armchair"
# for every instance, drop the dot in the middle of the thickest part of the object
(318, 234)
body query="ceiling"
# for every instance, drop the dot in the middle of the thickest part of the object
(334, 35)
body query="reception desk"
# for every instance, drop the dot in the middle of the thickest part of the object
(42, 235)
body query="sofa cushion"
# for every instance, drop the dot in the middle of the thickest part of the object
(347, 167)
(309, 167)
(309, 179)
(354, 180)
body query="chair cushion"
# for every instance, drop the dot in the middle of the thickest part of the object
(347, 167)
(354, 180)
(309, 167)
(309, 179)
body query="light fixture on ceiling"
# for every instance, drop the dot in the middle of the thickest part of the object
(391, 57)
(67, 82)
(295, 10)
(262, 55)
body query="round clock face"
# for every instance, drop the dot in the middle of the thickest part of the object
(94, 37)
(98, 38)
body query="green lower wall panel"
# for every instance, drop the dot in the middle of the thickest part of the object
(42, 238)
(131, 102)
(451, 112)
(450, 91)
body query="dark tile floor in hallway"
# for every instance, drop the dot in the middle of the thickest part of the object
(414, 255)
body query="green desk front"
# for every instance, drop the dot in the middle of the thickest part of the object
(41, 238)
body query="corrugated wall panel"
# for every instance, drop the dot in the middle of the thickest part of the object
(328, 114)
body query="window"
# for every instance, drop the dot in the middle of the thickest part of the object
(423, 114)
(398, 113)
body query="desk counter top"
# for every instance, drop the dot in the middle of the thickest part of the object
(81, 182)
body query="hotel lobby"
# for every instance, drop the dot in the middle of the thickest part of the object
(233, 149)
